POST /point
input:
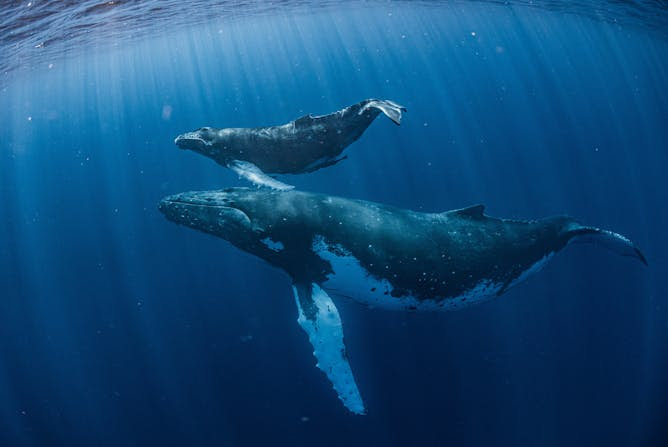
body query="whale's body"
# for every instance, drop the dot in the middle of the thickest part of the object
(379, 255)
(300, 146)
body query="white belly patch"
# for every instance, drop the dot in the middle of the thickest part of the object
(352, 280)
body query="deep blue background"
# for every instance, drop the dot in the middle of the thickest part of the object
(120, 328)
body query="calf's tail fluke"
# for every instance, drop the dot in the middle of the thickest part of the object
(609, 240)
(391, 109)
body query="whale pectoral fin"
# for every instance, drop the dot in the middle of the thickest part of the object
(320, 320)
(255, 175)
(391, 109)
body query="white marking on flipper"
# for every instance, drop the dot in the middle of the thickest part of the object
(255, 175)
(322, 323)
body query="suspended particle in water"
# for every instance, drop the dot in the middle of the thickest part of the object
(167, 112)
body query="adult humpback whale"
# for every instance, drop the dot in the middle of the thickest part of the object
(303, 145)
(378, 255)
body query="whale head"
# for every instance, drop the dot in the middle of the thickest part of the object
(197, 140)
(212, 212)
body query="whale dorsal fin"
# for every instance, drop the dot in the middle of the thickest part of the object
(304, 121)
(321, 322)
(475, 211)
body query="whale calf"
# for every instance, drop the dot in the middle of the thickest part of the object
(379, 255)
(300, 146)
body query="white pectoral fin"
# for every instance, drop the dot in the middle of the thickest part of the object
(255, 175)
(320, 320)
(390, 108)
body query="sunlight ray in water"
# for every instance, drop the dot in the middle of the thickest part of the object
(119, 328)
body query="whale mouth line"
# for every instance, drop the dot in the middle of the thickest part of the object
(181, 140)
(178, 205)
(190, 203)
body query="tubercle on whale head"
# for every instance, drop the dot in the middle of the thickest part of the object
(197, 140)
(211, 212)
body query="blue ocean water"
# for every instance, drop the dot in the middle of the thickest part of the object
(119, 328)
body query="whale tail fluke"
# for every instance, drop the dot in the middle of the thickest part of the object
(609, 240)
(391, 109)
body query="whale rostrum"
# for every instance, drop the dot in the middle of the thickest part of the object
(379, 255)
(300, 146)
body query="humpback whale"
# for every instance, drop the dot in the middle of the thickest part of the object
(379, 255)
(300, 146)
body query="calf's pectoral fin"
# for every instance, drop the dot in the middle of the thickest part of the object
(255, 175)
(391, 109)
(320, 320)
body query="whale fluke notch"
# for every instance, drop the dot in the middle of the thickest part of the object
(320, 320)
(391, 109)
(609, 240)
